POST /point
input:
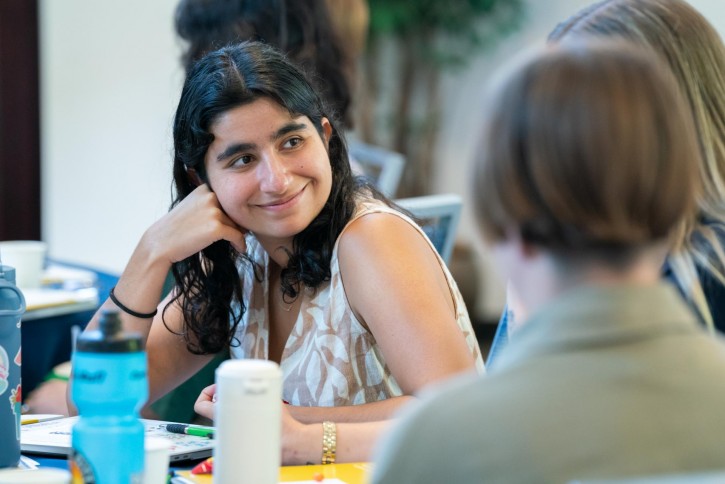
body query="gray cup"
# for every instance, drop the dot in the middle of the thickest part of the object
(12, 306)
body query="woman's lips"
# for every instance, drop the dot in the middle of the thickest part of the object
(283, 203)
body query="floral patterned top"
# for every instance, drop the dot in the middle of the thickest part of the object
(330, 358)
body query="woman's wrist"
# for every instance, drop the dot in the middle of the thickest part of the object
(127, 310)
(302, 444)
(141, 284)
(152, 251)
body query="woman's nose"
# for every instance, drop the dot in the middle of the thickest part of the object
(274, 176)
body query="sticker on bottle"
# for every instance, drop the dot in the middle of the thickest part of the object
(4, 370)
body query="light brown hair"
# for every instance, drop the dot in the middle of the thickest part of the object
(589, 150)
(694, 51)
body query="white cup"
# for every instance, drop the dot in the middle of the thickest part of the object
(36, 476)
(156, 468)
(28, 259)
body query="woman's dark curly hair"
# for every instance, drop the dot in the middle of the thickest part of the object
(302, 29)
(208, 284)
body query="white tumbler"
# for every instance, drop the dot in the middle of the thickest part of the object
(247, 417)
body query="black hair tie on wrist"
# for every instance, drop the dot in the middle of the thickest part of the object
(127, 310)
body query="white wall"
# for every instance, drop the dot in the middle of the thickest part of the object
(110, 79)
(462, 123)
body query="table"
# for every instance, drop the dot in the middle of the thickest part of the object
(352, 473)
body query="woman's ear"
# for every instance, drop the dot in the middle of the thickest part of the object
(524, 249)
(326, 132)
(193, 176)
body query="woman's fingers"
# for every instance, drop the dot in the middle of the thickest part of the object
(235, 234)
(196, 223)
(204, 405)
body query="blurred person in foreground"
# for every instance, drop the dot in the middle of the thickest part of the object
(680, 35)
(589, 164)
(684, 39)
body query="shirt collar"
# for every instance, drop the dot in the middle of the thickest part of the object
(590, 316)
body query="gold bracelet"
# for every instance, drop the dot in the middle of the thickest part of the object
(329, 442)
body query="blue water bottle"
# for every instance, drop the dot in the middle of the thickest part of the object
(12, 306)
(109, 386)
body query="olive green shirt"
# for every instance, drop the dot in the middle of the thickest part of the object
(604, 382)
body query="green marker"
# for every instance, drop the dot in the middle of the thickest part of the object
(190, 430)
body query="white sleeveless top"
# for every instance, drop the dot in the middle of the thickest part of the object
(330, 358)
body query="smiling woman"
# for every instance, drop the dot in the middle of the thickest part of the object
(270, 171)
(273, 245)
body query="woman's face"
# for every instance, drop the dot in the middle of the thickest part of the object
(270, 171)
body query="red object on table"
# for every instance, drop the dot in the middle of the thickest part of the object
(204, 467)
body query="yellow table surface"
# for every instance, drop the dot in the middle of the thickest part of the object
(353, 473)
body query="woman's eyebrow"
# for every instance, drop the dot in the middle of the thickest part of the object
(288, 128)
(236, 148)
(232, 150)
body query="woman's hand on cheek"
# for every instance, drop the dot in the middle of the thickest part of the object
(194, 224)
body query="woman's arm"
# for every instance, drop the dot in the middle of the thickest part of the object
(396, 286)
(380, 410)
(197, 222)
(302, 443)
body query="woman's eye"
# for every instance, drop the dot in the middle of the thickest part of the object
(242, 160)
(292, 142)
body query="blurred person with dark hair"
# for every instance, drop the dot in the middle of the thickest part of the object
(302, 29)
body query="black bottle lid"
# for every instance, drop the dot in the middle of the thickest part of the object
(109, 337)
